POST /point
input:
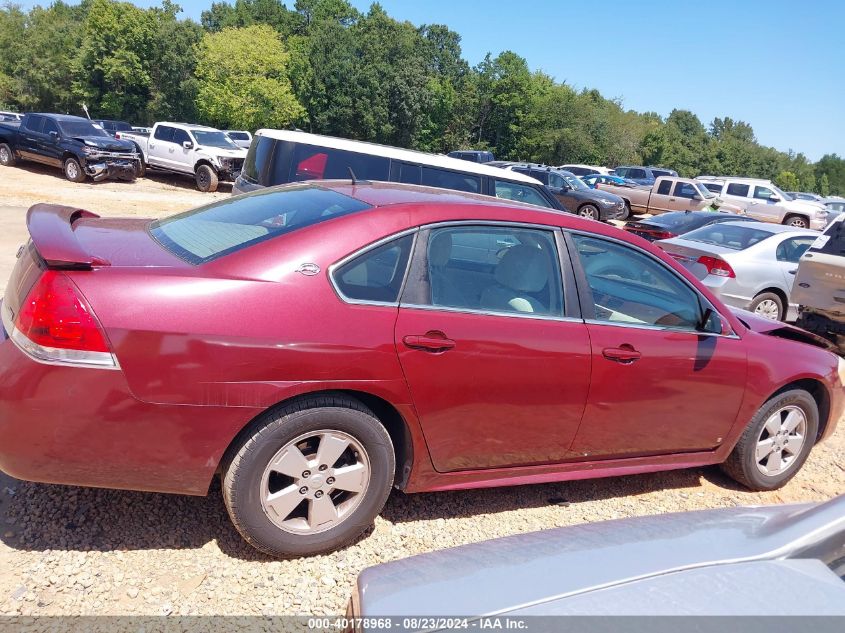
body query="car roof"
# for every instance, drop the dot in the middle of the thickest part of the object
(396, 153)
(61, 117)
(190, 126)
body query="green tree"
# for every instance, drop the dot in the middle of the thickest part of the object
(824, 186)
(787, 181)
(243, 82)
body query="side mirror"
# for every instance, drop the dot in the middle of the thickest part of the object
(54, 135)
(187, 144)
(774, 198)
(697, 197)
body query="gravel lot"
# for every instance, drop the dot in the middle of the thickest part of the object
(66, 550)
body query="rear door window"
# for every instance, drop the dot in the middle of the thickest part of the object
(204, 234)
(738, 189)
(35, 123)
(664, 187)
(164, 133)
(636, 173)
(494, 269)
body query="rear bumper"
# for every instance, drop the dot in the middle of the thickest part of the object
(82, 426)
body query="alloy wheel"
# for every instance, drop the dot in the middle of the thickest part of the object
(769, 309)
(5, 157)
(71, 170)
(781, 440)
(800, 223)
(315, 482)
(589, 211)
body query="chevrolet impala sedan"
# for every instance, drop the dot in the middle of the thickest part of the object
(316, 345)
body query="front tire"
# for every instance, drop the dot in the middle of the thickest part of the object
(798, 221)
(776, 442)
(310, 477)
(589, 211)
(769, 305)
(7, 156)
(73, 170)
(206, 179)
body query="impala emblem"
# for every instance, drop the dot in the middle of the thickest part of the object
(308, 269)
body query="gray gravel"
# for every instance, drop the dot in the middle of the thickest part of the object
(67, 550)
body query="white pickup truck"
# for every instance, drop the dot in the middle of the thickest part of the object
(206, 153)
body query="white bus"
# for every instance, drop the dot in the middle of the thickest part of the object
(282, 156)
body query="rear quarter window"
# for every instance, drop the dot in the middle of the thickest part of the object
(729, 236)
(204, 234)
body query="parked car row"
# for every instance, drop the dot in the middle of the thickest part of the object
(76, 145)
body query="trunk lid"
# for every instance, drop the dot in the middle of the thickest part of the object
(66, 237)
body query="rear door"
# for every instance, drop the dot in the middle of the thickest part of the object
(496, 358)
(788, 253)
(659, 385)
(660, 200)
(161, 147)
(28, 137)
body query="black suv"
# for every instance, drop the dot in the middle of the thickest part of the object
(112, 127)
(574, 194)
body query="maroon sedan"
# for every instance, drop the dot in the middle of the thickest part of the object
(320, 343)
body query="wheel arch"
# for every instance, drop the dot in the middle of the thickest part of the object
(819, 393)
(385, 412)
(776, 291)
(795, 214)
(204, 161)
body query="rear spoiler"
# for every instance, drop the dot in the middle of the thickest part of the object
(51, 229)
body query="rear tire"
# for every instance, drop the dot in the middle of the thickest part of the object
(7, 156)
(798, 221)
(280, 510)
(206, 179)
(73, 170)
(768, 305)
(752, 462)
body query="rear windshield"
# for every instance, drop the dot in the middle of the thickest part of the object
(832, 242)
(204, 234)
(728, 235)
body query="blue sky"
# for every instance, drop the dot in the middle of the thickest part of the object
(777, 64)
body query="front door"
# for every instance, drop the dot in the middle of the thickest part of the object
(659, 384)
(497, 365)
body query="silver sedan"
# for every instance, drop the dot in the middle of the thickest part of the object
(748, 265)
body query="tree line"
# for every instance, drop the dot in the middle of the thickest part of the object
(325, 67)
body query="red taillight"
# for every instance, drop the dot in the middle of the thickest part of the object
(55, 315)
(716, 266)
(117, 134)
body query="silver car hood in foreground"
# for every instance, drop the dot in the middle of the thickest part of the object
(668, 564)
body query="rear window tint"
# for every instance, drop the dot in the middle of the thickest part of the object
(204, 234)
(728, 235)
(738, 189)
(319, 163)
(255, 164)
